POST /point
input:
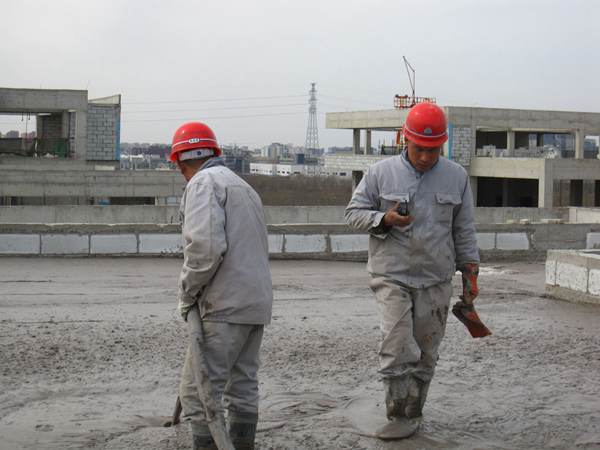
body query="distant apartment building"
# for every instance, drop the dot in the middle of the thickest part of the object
(285, 170)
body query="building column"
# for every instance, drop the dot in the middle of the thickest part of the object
(356, 178)
(579, 139)
(356, 141)
(588, 199)
(510, 142)
(473, 183)
(546, 185)
(368, 142)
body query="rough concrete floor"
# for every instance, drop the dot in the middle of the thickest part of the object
(91, 351)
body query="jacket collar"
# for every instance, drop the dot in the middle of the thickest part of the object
(212, 162)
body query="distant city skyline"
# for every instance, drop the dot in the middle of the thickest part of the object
(246, 68)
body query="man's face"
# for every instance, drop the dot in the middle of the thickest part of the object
(422, 158)
(185, 170)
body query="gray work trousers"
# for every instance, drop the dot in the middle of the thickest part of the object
(232, 356)
(413, 322)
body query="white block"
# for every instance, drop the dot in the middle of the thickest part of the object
(304, 243)
(593, 240)
(344, 243)
(65, 244)
(159, 243)
(551, 271)
(512, 241)
(19, 244)
(275, 243)
(594, 282)
(111, 244)
(486, 241)
(571, 276)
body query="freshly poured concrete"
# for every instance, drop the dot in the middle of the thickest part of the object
(91, 352)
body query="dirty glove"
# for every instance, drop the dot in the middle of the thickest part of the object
(470, 272)
(184, 309)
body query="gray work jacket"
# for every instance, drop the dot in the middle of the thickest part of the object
(442, 234)
(225, 249)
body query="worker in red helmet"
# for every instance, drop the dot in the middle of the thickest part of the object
(226, 274)
(418, 209)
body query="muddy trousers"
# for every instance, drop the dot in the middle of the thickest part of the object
(412, 325)
(232, 355)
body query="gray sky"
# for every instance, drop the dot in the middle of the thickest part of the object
(523, 54)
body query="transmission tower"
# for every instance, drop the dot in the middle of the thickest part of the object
(312, 132)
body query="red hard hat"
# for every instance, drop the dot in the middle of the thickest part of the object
(194, 135)
(426, 125)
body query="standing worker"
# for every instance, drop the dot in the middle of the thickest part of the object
(418, 209)
(226, 273)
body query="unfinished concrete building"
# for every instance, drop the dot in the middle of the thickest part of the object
(72, 135)
(504, 151)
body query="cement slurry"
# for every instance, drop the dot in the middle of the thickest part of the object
(91, 351)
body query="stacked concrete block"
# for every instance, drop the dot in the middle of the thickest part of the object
(462, 144)
(574, 275)
(350, 162)
(102, 132)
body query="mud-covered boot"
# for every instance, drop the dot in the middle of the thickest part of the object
(242, 429)
(203, 442)
(417, 394)
(396, 397)
(201, 437)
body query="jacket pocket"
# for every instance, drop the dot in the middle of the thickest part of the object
(386, 201)
(445, 206)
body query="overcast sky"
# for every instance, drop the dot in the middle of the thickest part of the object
(169, 58)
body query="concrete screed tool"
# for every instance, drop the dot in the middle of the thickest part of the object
(214, 415)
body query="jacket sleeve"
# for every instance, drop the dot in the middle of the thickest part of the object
(204, 240)
(363, 210)
(463, 229)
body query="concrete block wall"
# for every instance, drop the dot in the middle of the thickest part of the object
(350, 162)
(50, 127)
(315, 241)
(102, 124)
(462, 144)
(112, 214)
(574, 275)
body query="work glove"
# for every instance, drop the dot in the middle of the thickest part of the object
(184, 309)
(470, 272)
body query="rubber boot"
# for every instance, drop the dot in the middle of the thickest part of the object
(242, 429)
(201, 437)
(203, 442)
(396, 398)
(417, 394)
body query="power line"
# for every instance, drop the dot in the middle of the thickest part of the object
(211, 109)
(215, 117)
(230, 99)
(356, 101)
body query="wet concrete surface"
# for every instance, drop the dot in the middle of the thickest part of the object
(91, 351)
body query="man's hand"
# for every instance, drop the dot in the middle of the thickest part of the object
(393, 219)
(470, 272)
(184, 309)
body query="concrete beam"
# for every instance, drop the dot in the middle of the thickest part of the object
(528, 168)
(21, 183)
(42, 100)
(386, 120)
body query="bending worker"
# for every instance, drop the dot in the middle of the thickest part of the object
(418, 209)
(226, 272)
